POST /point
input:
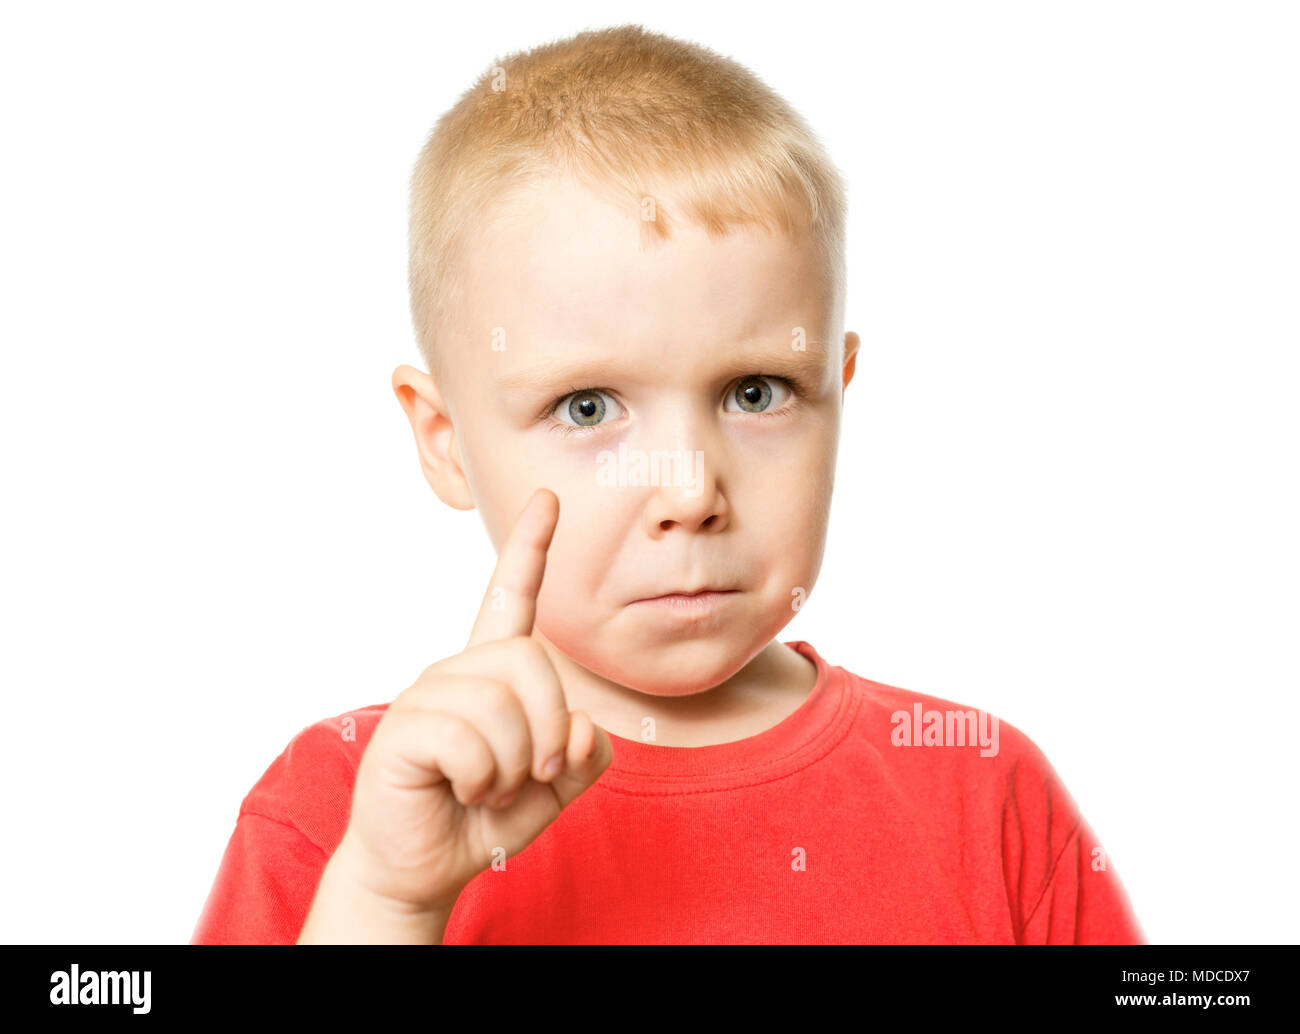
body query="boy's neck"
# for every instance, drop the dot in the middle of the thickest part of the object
(772, 686)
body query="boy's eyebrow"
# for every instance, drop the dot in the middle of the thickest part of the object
(807, 363)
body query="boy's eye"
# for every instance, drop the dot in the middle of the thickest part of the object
(752, 394)
(586, 408)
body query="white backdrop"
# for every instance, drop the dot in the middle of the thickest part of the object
(1067, 484)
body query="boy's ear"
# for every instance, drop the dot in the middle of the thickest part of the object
(851, 344)
(435, 437)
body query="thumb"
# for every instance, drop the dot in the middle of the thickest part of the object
(588, 755)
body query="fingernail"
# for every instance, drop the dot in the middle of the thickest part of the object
(552, 767)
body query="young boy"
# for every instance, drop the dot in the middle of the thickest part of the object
(627, 279)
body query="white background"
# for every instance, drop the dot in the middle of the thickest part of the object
(1067, 483)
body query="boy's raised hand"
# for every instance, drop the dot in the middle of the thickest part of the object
(456, 767)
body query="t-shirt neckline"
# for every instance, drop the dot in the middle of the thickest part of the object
(802, 737)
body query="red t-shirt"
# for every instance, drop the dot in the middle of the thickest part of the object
(837, 825)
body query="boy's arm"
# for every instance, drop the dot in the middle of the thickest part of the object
(1084, 901)
(288, 827)
(275, 886)
(1062, 887)
(263, 886)
(345, 912)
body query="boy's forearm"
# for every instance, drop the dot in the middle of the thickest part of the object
(344, 912)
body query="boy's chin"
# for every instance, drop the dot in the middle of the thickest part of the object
(668, 669)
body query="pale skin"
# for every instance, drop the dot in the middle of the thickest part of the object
(666, 332)
(561, 649)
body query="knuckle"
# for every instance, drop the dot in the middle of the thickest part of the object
(426, 681)
(524, 648)
(499, 698)
(398, 704)
(410, 699)
(480, 778)
(519, 767)
(433, 670)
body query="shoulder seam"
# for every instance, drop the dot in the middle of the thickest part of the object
(1051, 877)
(287, 825)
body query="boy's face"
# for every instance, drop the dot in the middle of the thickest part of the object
(578, 357)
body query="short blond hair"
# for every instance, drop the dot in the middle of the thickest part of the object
(620, 109)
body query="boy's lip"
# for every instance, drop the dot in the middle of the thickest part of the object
(699, 591)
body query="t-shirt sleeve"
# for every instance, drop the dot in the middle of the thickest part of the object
(1063, 887)
(287, 827)
(1084, 902)
(268, 876)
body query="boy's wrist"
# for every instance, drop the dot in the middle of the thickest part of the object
(346, 911)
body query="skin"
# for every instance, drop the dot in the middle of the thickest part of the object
(669, 333)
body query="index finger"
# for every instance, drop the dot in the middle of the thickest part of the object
(510, 604)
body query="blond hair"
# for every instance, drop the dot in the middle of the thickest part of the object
(619, 109)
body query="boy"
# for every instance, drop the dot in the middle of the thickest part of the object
(627, 278)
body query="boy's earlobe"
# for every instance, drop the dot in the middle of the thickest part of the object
(435, 437)
(851, 343)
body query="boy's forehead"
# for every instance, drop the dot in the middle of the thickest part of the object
(561, 271)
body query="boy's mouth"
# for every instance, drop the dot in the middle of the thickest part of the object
(686, 594)
(687, 604)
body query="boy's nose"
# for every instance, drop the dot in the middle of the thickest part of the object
(686, 492)
(689, 502)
